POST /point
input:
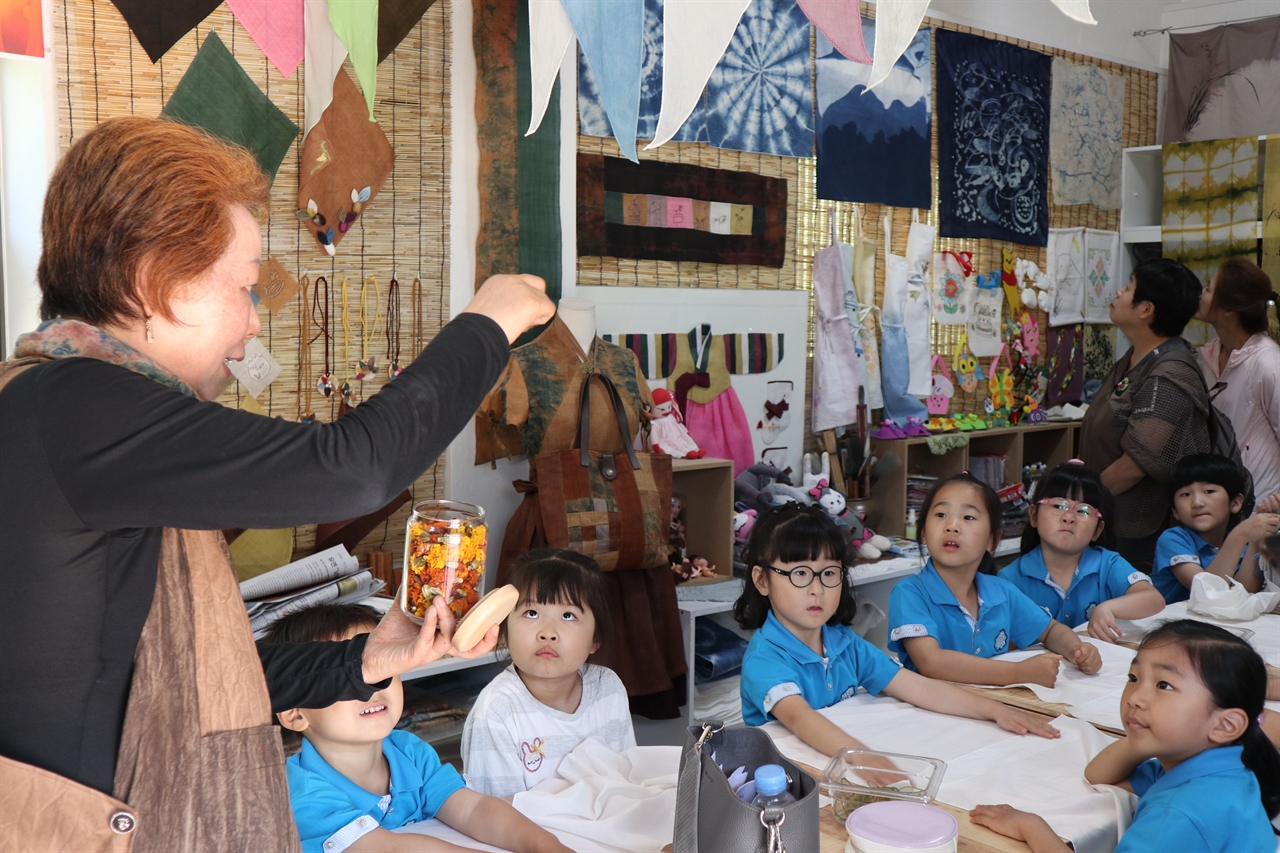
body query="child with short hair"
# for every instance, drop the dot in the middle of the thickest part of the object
(356, 777)
(1066, 566)
(948, 620)
(805, 657)
(1206, 775)
(1208, 493)
(539, 709)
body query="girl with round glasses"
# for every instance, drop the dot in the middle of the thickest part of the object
(1066, 565)
(804, 656)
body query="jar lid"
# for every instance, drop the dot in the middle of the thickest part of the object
(903, 824)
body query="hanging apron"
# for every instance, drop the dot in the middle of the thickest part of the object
(862, 300)
(985, 309)
(838, 372)
(917, 315)
(896, 357)
(200, 766)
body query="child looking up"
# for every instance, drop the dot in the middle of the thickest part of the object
(1062, 567)
(1208, 492)
(550, 699)
(357, 778)
(1206, 775)
(946, 621)
(804, 656)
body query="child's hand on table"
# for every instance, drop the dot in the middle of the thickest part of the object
(1022, 723)
(1087, 658)
(1020, 826)
(1040, 669)
(1102, 623)
(881, 780)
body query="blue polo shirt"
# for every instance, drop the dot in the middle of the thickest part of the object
(777, 664)
(332, 812)
(1100, 576)
(1176, 546)
(923, 606)
(1209, 802)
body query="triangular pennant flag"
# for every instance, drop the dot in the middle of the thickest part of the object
(1076, 10)
(217, 95)
(841, 22)
(356, 23)
(276, 27)
(158, 24)
(550, 35)
(325, 53)
(396, 18)
(611, 36)
(896, 25)
(695, 34)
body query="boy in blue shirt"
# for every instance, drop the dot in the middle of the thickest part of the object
(356, 778)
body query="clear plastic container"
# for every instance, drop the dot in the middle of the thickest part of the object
(444, 548)
(844, 783)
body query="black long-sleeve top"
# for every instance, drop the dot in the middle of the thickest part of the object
(96, 460)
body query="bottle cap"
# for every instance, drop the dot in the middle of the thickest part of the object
(771, 780)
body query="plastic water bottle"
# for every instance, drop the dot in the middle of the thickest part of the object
(771, 787)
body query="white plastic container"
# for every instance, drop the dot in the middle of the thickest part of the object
(901, 827)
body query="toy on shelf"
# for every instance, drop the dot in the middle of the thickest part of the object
(755, 487)
(667, 433)
(816, 479)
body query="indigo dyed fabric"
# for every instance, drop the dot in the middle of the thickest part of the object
(993, 139)
(874, 147)
(1087, 126)
(759, 97)
(611, 36)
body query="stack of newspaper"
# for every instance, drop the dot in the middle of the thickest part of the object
(329, 576)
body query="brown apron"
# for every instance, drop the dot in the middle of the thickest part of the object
(200, 766)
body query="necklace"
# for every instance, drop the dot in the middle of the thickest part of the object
(391, 329)
(367, 366)
(320, 319)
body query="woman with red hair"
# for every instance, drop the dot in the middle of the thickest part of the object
(132, 700)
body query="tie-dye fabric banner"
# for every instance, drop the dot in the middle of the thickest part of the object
(1210, 210)
(750, 352)
(875, 147)
(1085, 135)
(993, 139)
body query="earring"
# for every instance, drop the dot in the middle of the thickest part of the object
(151, 338)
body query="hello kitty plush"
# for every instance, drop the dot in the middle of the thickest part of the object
(667, 433)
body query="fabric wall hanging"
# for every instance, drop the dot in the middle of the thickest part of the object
(1099, 351)
(874, 146)
(673, 212)
(610, 35)
(899, 20)
(1210, 209)
(838, 371)
(984, 316)
(1086, 128)
(840, 23)
(1076, 10)
(217, 95)
(1066, 365)
(158, 24)
(993, 131)
(1065, 269)
(1271, 213)
(324, 53)
(1101, 273)
(356, 23)
(345, 161)
(860, 305)
(1224, 82)
(744, 353)
(898, 356)
(918, 312)
(759, 98)
(396, 19)
(952, 286)
(276, 27)
(550, 37)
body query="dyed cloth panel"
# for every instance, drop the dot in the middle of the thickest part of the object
(158, 24)
(1210, 209)
(396, 19)
(993, 139)
(626, 210)
(1271, 213)
(1065, 268)
(1224, 82)
(874, 147)
(1101, 273)
(1086, 127)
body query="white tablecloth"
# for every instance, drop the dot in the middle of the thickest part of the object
(986, 765)
(1265, 629)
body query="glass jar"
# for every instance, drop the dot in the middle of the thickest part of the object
(444, 548)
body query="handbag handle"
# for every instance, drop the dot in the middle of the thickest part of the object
(584, 426)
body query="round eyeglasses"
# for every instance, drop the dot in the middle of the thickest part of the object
(802, 576)
(1063, 506)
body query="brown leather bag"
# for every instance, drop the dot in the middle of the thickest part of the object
(615, 510)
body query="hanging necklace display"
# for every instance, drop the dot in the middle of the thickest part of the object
(320, 317)
(391, 329)
(418, 343)
(305, 414)
(367, 366)
(346, 402)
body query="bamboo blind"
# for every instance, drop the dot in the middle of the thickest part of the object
(404, 234)
(807, 223)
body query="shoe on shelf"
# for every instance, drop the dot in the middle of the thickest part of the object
(979, 422)
(915, 427)
(889, 430)
(935, 425)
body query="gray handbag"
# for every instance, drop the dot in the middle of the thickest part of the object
(711, 819)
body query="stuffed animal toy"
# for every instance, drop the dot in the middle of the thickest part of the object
(868, 544)
(815, 479)
(667, 433)
(748, 487)
(744, 521)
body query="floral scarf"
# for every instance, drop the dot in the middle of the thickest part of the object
(74, 339)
